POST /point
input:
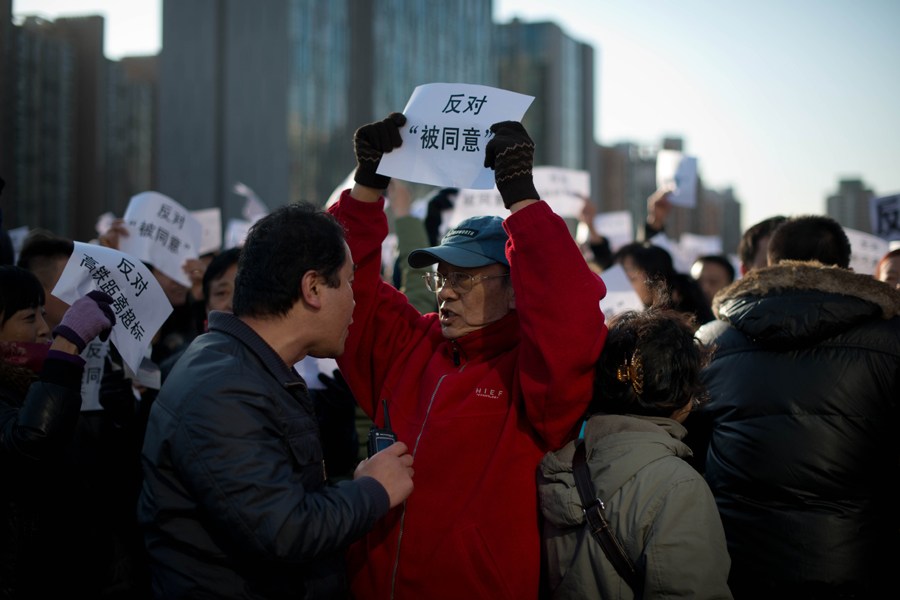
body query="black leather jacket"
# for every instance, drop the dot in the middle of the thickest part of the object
(234, 502)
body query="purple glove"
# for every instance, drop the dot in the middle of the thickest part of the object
(86, 318)
(511, 155)
(370, 142)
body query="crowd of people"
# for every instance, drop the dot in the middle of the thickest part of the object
(733, 439)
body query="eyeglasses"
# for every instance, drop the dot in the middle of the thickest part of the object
(459, 282)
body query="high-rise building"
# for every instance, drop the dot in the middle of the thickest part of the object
(269, 94)
(540, 60)
(849, 206)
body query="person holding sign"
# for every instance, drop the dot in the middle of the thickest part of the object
(481, 389)
(40, 400)
(235, 501)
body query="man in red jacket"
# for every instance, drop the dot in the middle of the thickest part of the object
(480, 390)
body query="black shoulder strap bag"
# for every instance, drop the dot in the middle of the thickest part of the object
(593, 511)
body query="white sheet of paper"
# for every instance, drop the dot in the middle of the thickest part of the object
(447, 127)
(476, 203)
(17, 237)
(236, 232)
(346, 184)
(677, 172)
(620, 294)
(866, 250)
(616, 226)
(884, 213)
(211, 229)
(679, 260)
(139, 303)
(694, 246)
(563, 189)
(254, 209)
(161, 232)
(310, 367)
(94, 356)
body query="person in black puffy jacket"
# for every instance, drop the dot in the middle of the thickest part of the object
(799, 436)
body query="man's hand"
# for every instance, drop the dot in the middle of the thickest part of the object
(116, 231)
(658, 208)
(392, 468)
(370, 142)
(510, 153)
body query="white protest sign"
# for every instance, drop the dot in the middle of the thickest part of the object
(254, 209)
(694, 246)
(884, 213)
(17, 238)
(310, 367)
(866, 250)
(476, 203)
(162, 233)
(94, 356)
(563, 189)
(620, 294)
(236, 233)
(678, 173)
(210, 220)
(447, 128)
(346, 184)
(104, 222)
(139, 303)
(616, 226)
(679, 262)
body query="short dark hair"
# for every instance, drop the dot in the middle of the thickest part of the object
(720, 260)
(750, 239)
(280, 248)
(655, 261)
(650, 364)
(220, 263)
(41, 246)
(19, 289)
(810, 237)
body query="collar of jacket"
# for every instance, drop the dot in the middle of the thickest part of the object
(811, 276)
(488, 342)
(231, 325)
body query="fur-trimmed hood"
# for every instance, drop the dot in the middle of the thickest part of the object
(795, 300)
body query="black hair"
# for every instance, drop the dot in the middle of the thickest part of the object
(220, 263)
(720, 260)
(670, 289)
(19, 289)
(280, 248)
(41, 246)
(650, 364)
(751, 238)
(810, 237)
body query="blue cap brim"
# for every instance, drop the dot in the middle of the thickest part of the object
(419, 259)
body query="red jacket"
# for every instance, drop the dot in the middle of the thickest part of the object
(478, 413)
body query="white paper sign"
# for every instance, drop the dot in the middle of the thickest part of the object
(310, 367)
(17, 237)
(620, 294)
(162, 233)
(254, 209)
(681, 264)
(866, 250)
(210, 220)
(616, 226)
(678, 173)
(447, 128)
(694, 246)
(236, 233)
(563, 189)
(884, 213)
(346, 184)
(139, 303)
(94, 356)
(476, 203)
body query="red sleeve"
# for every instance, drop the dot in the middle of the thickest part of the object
(563, 329)
(384, 322)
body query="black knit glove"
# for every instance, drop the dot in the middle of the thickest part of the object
(370, 142)
(511, 155)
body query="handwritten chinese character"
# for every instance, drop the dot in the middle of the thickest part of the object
(429, 138)
(127, 317)
(146, 230)
(164, 211)
(125, 267)
(89, 262)
(137, 331)
(470, 140)
(162, 235)
(450, 138)
(453, 103)
(119, 304)
(100, 274)
(174, 243)
(475, 104)
(110, 287)
(139, 284)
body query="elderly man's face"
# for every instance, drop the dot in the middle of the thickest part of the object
(463, 311)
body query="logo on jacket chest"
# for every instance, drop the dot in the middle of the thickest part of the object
(490, 393)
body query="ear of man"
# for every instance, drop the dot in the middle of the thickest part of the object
(311, 285)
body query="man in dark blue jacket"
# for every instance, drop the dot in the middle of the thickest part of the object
(235, 502)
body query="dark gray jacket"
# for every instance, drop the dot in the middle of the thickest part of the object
(234, 502)
(801, 429)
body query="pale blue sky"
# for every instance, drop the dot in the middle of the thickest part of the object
(776, 98)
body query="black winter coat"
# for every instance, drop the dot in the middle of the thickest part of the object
(801, 430)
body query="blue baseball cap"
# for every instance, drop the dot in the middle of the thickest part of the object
(475, 242)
